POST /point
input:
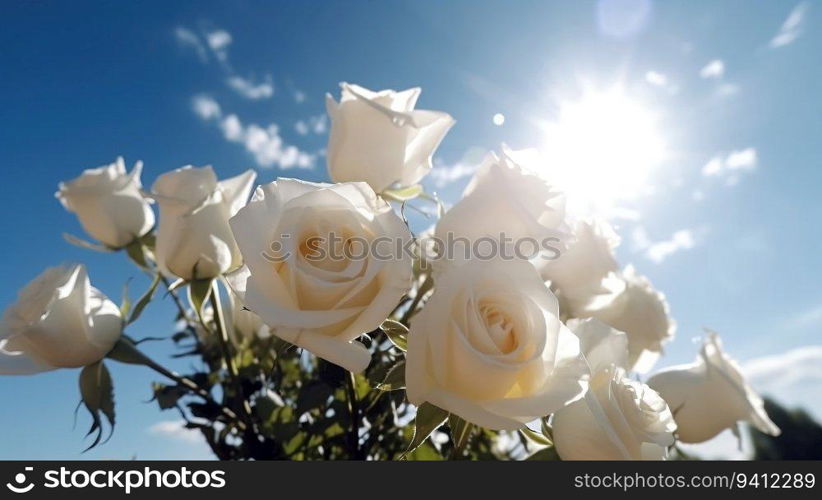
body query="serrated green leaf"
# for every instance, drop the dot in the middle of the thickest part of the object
(403, 194)
(145, 299)
(397, 333)
(394, 379)
(428, 418)
(97, 393)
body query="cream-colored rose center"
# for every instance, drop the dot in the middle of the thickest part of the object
(500, 328)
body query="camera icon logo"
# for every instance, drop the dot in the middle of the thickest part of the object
(20, 479)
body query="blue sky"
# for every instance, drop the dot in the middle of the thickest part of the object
(729, 230)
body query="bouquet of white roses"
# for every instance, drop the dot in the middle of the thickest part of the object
(328, 330)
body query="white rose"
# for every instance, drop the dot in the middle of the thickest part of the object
(601, 344)
(245, 324)
(710, 395)
(379, 138)
(58, 321)
(109, 203)
(618, 419)
(633, 306)
(578, 272)
(503, 200)
(488, 346)
(194, 240)
(302, 283)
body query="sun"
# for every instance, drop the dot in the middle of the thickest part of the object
(602, 149)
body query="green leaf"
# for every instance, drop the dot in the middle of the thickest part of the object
(74, 240)
(429, 417)
(397, 333)
(549, 453)
(125, 306)
(125, 351)
(137, 253)
(167, 395)
(403, 194)
(313, 395)
(97, 393)
(535, 437)
(394, 379)
(198, 293)
(460, 434)
(145, 299)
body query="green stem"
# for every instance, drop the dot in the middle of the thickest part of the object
(222, 336)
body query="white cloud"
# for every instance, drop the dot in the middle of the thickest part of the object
(262, 142)
(794, 377)
(810, 317)
(187, 38)
(735, 162)
(741, 160)
(250, 89)
(315, 124)
(218, 41)
(791, 28)
(442, 175)
(714, 69)
(205, 107)
(661, 80)
(658, 251)
(299, 96)
(175, 429)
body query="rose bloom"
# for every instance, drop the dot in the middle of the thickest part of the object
(194, 240)
(589, 257)
(308, 273)
(489, 347)
(506, 200)
(58, 321)
(601, 344)
(618, 419)
(109, 204)
(379, 138)
(710, 395)
(632, 305)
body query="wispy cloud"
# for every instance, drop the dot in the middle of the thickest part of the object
(250, 89)
(175, 429)
(218, 41)
(262, 142)
(714, 69)
(660, 80)
(731, 165)
(808, 318)
(794, 377)
(315, 124)
(658, 251)
(442, 175)
(791, 28)
(189, 39)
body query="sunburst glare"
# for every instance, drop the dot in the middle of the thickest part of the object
(602, 149)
